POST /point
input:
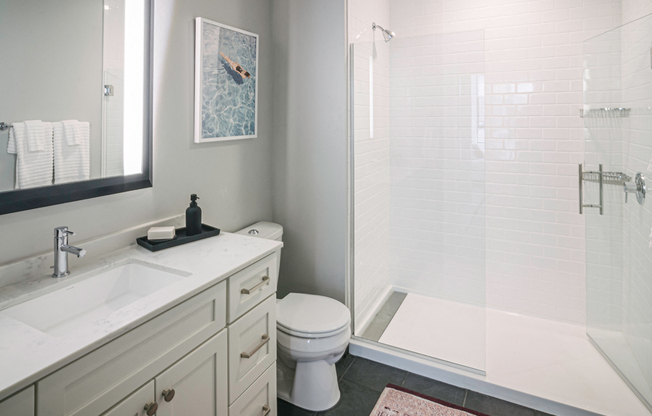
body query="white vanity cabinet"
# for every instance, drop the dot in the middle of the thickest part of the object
(211, 355)
(104, 377)
(20, 404)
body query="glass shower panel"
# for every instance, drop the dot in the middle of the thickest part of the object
(618, 136)
(370, 154)
(419, 200)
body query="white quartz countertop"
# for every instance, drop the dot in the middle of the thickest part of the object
(27, 354)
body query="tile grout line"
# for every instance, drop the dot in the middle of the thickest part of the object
(404, 378)
(347, 369)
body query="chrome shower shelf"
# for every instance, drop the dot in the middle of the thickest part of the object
(605, 112)
(608, 178)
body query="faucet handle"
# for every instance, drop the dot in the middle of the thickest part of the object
(62, 231)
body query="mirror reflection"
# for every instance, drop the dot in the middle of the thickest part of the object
(73, 83)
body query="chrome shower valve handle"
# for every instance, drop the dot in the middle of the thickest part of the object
(638, 187)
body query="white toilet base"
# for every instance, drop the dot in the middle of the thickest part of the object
(312, 385)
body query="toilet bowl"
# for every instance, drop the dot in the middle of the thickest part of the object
(312, 335)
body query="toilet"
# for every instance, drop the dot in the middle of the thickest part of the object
(312, 335)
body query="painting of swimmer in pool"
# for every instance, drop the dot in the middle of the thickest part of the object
(226, 83)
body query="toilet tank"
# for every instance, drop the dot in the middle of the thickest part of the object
(262, 229)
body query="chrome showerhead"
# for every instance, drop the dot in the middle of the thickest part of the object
(387, 34)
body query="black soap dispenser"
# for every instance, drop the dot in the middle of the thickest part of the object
(193, 217)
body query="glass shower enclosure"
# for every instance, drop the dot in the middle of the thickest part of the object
(618, 214)
(418, 197)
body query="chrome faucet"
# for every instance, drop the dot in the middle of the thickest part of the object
(61, 250)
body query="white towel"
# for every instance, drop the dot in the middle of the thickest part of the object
(11, 144)
(33, 169)
(71, 162)
(35, 135)
(71, 132)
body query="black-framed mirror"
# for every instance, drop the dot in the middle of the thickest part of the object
(76, 113)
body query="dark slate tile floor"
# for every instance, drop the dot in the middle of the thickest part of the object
(362, 381)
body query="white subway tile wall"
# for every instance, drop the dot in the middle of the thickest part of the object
(532, 55)
(534, 139)
(603, 145)
(438, 165)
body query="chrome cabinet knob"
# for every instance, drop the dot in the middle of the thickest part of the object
(151, 408)
(168, 395)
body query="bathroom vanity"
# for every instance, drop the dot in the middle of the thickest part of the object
(186, 331)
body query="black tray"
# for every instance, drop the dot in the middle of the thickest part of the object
(181, 238)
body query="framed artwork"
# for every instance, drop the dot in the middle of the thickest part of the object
(226, 82)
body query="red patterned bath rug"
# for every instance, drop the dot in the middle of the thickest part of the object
(397, 401)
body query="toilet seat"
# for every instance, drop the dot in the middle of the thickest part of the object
(311, 316)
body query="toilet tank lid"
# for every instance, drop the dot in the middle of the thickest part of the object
(311, 314)
(263, 229)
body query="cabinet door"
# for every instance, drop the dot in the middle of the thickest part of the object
(134, 404)
(197, 385)
(20, 404)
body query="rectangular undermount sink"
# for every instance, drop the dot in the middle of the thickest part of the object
(94, 298)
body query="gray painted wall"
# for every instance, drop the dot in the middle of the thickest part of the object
(51, 69)
(233, 179)
(309, 145)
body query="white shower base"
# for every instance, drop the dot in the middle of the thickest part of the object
(540, 363)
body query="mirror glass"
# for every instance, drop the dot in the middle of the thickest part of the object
(75, 93)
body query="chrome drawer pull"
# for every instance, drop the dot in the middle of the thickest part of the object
(266, 410)
(255, 350)
(257, 287)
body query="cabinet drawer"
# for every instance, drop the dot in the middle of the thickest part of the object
(250, 286)
(95, 382)
(20, 404)
(252, 347)
(260, 398)
(198, 384)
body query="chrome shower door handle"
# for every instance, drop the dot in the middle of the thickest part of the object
(601, 192)
(581, 176)
(600, 174)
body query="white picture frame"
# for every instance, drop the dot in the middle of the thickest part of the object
(226, 78)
